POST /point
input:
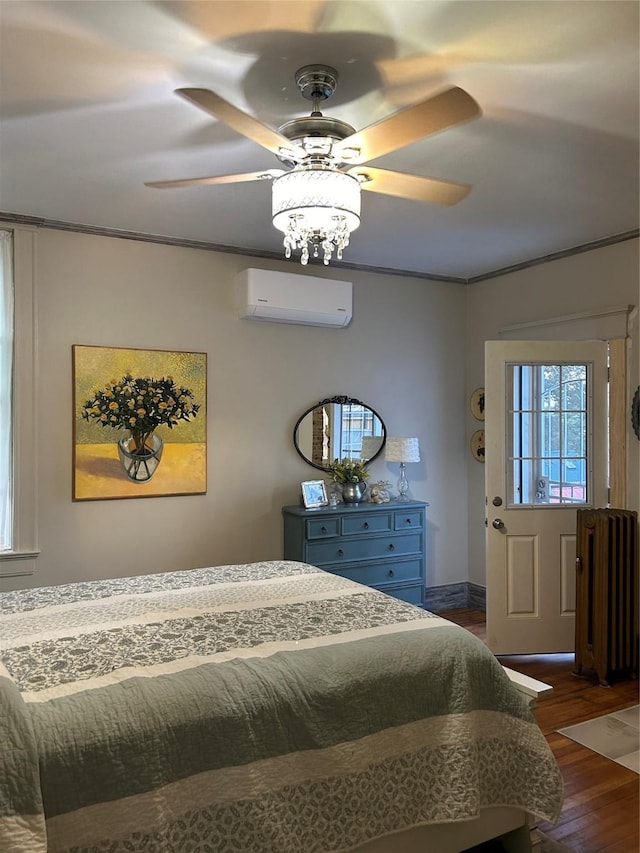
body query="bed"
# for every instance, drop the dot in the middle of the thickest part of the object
(262, 708)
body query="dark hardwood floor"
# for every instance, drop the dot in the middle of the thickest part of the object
(601, 805)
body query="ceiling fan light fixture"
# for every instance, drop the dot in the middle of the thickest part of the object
(316, 208)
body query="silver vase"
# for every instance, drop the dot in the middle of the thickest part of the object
(352, 492)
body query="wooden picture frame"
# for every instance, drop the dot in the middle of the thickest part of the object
(314, 494)
(140, 423)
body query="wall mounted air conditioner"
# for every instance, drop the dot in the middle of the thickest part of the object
(280, 297)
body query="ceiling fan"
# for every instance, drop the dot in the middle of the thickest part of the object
(316, 199)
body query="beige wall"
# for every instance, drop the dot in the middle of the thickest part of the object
(403, 354)
(603, 278)
(414, 352)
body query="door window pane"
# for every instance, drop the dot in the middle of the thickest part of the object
(547, 444)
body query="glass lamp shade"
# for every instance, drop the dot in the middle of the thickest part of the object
(316, 208)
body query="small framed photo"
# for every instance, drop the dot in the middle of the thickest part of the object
(314, 493)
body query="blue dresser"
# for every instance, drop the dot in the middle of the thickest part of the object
(380, 545)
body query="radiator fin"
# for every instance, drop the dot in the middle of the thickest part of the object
(607, 593)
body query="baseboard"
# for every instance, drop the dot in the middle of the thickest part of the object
(455, 595)
(477, 597)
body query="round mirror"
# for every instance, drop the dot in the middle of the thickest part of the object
(338, 428)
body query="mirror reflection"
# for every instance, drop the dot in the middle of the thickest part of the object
(338, 428)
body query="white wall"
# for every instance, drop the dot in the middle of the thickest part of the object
(403, 354)
(414, 351)
(602, 278)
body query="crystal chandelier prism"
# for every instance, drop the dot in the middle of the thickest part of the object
(316, 207)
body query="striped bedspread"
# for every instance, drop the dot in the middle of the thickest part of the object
(262, 708)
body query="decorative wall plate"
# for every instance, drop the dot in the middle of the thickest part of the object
(477, 404)
(477, 445)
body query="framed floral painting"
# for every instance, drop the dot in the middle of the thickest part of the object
(140, 423)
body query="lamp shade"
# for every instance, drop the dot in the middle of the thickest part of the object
(402, 450)
(370, 446)
(316, 208)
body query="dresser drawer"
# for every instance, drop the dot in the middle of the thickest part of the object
(374, 574)
(365, 548)
(407, 520)
(378, 522)
(410, 594)
(321, 528)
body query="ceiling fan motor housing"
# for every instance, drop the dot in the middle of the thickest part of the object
(316, 134)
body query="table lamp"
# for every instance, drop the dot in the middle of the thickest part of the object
(402, 450)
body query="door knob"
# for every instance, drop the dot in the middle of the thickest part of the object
(498, 523)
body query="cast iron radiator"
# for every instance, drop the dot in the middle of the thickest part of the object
(607, 593)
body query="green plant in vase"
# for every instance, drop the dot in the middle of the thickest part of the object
(351, 474)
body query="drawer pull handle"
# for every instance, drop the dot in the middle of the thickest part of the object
(366, 525)
(391, 547)
(390, 573)
(323, 529)
(340, 552)
(408, 521)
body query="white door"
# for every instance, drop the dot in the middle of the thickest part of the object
(545, 456)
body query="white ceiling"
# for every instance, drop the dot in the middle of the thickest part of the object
(88, 114)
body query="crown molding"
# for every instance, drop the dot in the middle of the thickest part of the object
(59, 225)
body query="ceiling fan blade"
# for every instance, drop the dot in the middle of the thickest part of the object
(265, 174)
(410, 186)
(409, 125)
(244, 123)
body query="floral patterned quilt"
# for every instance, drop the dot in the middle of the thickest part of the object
(262, 708)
